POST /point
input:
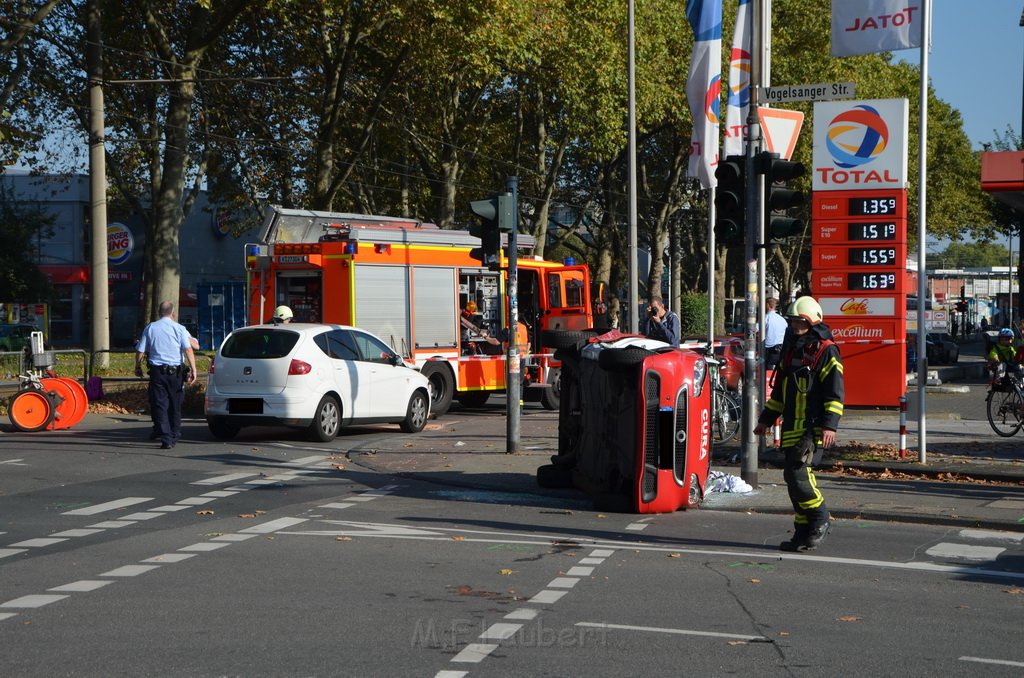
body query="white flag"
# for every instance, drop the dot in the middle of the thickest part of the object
(738, 102)
(704, 87)
(869, 26)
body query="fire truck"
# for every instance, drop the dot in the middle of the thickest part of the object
(416, 286)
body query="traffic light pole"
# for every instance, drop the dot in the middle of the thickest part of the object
(513, 371)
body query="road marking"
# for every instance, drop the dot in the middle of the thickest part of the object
(306, 461)
(474, 653)
(563, 582)
(363, 497)
(440, 674)
(205, 546)
(591, 561)
(500, 631)
(601, 553)
(965, 551)
(36, 600)
(233, 537)
(992, 534)
(113, 524)
(681, 632)
(14, 462)
(523, 613)
(129, 571)
(273, 525)
(336, 505)
(39, 542)
(81, 586)
(983, 660)
(547, 597)
(169, 558)
(167, 508)
(108, 506)
(218, 494)
(7, 615)
(196, 501)
(81, 532)
(580, 571)
(373, 530)
(636, 527)
(220, 480)
(145, 515)
(10, 552)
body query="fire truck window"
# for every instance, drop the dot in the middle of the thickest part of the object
(554, 291)
(372, 349)
(573, 292)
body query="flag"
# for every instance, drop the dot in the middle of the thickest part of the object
(869, 26)
(738, 101)
(704, 87)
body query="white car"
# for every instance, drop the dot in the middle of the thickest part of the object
(319, 377)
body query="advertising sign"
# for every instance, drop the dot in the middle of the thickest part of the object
(119, 244)
(840, 281)
(867, 330)
(860, 145)
(861, 306)
(873, 255)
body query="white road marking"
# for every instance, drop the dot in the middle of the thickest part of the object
(256, 483)
(372, 530)
(591, 561)
(129, 571)
(523, 613)
(196, 501)
(563, 582)
(500, 631)
(580, 571)
(983, 660)
(145, 515)
(39, 542)
(7, 615)
(168, 508)
(601, 553)
(205, 546)
(13, 462)
(169, 558)
(440, 674)
(474, 653)
(233, 537)
(636, 527)
(681, 632)
(363, 497)
(273, 525)
(108, 506)
(10, 552)
(965, 551)
(76, 533)
(992, 534)
(36, 600)
(336, 505)
(306, 461)
(546, 597)
(81, 586)
(220, 480)
(113, 524)
(219, 494)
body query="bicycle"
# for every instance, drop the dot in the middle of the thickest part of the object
(1005, 402)
(725, 406)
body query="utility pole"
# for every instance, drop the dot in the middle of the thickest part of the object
(514, 373)
(97, 186)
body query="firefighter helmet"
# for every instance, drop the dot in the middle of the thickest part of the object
(471, 306)
(283, 313)
(806, 308)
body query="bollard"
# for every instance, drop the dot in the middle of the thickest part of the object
(903, 426)
(777, 431)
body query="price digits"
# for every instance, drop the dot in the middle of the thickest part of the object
(870, 206)
(872, 256)
(880, 231)
(871, 281)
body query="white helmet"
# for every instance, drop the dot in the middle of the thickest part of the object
(806, 308)
(283, 313)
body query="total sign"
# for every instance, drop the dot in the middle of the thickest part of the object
(860, 144)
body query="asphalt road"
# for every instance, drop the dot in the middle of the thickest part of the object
(277, 557)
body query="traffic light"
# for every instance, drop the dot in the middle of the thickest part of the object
(496, 215)
(730, 201)
(961, 307)
(779, 198)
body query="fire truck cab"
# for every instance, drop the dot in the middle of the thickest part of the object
(416, 286)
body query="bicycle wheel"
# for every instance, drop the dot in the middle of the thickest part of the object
(725, 419)
(1004, 411)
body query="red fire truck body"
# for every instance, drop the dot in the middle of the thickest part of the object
(411, 283)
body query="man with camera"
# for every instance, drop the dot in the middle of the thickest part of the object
(662, 324)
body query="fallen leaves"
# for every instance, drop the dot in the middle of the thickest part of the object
(343, 539)
(505, 572)
(205, 512)
(251, 515)
(458, 539)
(849, 618)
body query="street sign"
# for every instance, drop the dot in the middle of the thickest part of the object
(825, 91)
(780, 129)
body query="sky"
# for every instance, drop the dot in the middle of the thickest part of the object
(976, 63)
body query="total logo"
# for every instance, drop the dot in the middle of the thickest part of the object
(855, 138)
(713, 100)
(739, 73)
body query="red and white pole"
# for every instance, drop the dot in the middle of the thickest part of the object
(903, 426)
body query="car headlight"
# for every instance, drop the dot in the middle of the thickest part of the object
(700, 372)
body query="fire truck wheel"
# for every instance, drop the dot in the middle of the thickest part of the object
(619, 358)
(416, 415)
(554, 476)
(326, 421)
(474, 398)
(442, 386)
(550, 397)
(222, 429)
(564, 338)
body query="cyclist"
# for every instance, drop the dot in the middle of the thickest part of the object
(1004, 353)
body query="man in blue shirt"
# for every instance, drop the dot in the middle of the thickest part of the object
(662, 324)
(774, 332)
(162, 343)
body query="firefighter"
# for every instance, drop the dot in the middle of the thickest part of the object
(808, 395)
(473, 333)
(282, 314)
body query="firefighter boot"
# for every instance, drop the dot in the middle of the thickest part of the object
(800, 532)
(808, 540)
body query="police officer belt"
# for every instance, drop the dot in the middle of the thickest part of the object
(166, 369)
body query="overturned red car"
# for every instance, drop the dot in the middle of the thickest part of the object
(634, 426)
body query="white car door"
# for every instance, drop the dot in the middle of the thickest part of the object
(352, 376)
(390, 391)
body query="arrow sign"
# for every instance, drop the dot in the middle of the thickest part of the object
(780, 129)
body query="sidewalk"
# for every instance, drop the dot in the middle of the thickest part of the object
(463, 451)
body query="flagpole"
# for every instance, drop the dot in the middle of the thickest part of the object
(922, 235)
(634, 295)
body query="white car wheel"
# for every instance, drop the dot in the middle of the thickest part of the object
(416, 416)
(326, 420)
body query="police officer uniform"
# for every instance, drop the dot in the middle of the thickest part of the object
(163, 342)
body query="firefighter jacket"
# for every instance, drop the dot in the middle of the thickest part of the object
(808, 388)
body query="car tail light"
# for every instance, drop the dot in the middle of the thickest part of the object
(299, 367)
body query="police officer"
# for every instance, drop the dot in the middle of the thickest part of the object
(162, 344)
(808, 395)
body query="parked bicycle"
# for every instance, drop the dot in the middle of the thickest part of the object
(725, 405)
(1005, 402)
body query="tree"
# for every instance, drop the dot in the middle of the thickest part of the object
(971, 255)
(22, 227)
